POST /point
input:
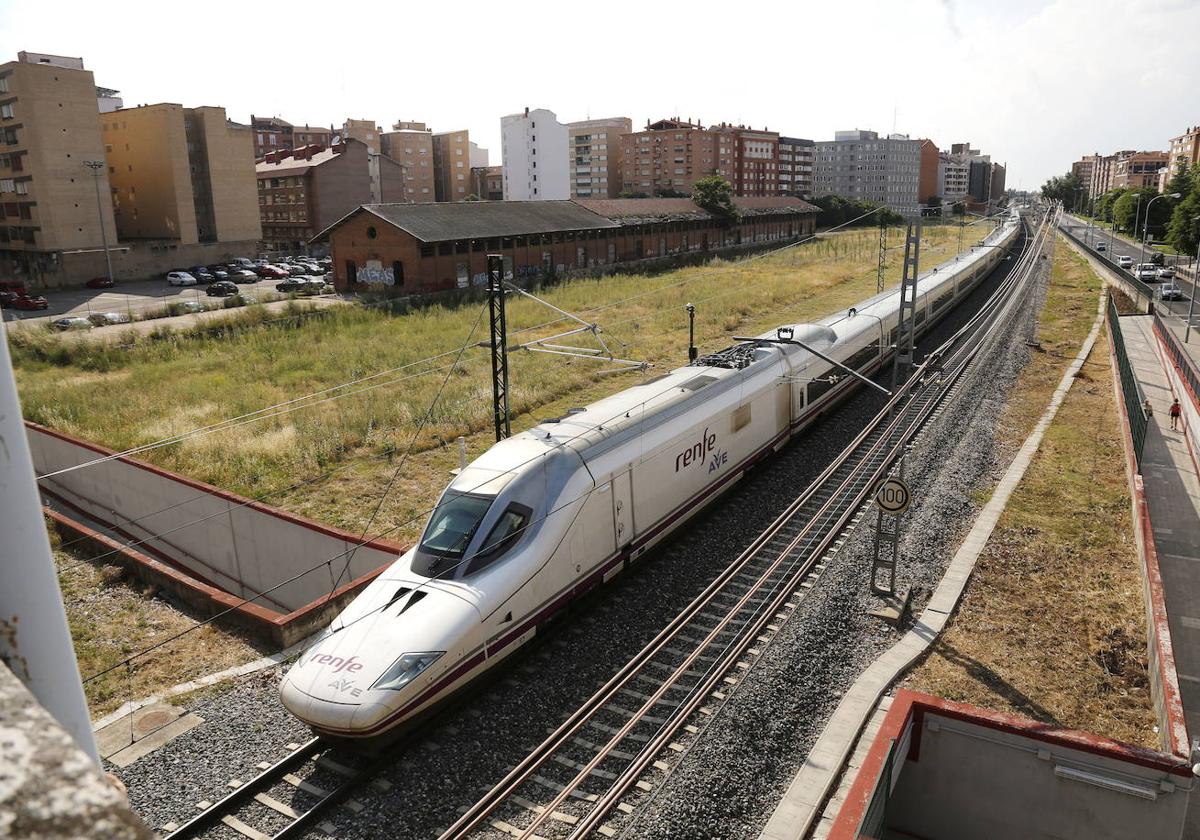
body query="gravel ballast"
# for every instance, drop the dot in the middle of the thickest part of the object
(727, 785)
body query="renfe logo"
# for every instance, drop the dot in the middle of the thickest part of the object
(339, 664)
(698, 452)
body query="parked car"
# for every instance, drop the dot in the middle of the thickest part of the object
(243, 262)
(99, 283)
(292, 285)
(243, 275)
(180, 278)
(73, 322)
(1101, 246)
(16, 287)
(188, 306)
(202, 274)
(107, 319)
(1167, 272)
(222, 288)
(270, 271)
(218, 272)
(1125, 261)
(7, 298)
(1146, 272)
(29, 302)
(1157, 258)
(1170, 291)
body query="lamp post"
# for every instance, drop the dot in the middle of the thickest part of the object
(96, 166)
(1146, 223)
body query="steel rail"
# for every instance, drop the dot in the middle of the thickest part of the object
(563, 735)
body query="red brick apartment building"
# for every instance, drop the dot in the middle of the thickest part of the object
(304, 191)
(927, 181)
(418, 248)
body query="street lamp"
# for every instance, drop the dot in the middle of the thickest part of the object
(96, 166)
(1146, 223)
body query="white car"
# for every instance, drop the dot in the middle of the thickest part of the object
(1125, 261)
(180, 278)
(1167, 272)
(74, 322)
(1146, 271)
(1170, 291)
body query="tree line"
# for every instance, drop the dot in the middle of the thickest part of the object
(1175, 221)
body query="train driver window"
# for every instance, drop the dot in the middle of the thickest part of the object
(504, 535)
(449, 532)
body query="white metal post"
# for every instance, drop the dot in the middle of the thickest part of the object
(34, 638)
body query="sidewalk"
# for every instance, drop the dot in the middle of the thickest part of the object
(1172, 489)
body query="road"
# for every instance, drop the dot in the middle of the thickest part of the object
(1118, 247)
(131, 298)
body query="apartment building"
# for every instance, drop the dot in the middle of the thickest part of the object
(670, 155)
(303, 191)
(796, 166)
(862, 165)
(594, 156)
(1084, 168)
(927, 184)
(273, 134)
(451, 165)
(1183, 150)
(954, 177)
(49, 220)
(410, 144)
(533, 151)
(755, 159)
(479, 156)
(487, 183)
(998, 175)
(1138, 170)
(182, 175)
(364, 131)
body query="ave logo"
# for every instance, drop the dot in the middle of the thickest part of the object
(719, 459)
(343, 684)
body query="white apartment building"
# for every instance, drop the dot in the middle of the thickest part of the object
(533, 150)
(954, 177)
(594, 156)
(479, 155)
(862, 165)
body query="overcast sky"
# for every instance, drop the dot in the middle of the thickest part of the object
(1034, 83)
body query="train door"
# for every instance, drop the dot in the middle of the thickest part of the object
(622, 496)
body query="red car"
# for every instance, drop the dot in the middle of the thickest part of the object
(30, 302)
(270, 271)
(99, 283)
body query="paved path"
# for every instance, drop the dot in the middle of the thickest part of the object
(1172, 489)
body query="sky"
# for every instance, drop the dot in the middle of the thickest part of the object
(1034, 83)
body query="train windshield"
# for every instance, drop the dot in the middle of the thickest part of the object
(454, 524)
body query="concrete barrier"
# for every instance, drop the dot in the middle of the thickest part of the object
(206, 545)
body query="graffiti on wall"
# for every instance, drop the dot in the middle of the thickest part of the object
(375, 274)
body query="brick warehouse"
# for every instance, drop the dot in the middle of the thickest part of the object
(416, 248)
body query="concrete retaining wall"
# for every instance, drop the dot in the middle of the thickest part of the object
(220, 541)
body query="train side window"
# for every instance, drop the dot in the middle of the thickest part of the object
(504, 535)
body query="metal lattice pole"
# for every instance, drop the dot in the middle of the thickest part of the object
(882, 254)
(906, 326)
(495, 270)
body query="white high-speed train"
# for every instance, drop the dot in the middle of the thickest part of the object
(544, 516)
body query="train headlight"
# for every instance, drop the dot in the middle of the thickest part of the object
(406, 669)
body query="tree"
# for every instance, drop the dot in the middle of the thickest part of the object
(1183, 231)
(934, 201)
(669, 193)
(715, 195)
(1104, 204)
(1068, 189)
(837, 210)
(471, 197)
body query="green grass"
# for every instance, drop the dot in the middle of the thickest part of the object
(125, 398)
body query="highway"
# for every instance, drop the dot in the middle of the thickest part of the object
(1117, 246)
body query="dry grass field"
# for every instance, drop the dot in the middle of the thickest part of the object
(345, 448)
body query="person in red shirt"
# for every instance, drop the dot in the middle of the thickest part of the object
(1175, 412)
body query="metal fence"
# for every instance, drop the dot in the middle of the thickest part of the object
(1142, 290)
(1131, 392)
(1182, 362)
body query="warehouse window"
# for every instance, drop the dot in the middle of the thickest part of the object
(351, 272)
(398, 272)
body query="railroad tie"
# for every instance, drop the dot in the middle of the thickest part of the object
(243, 829)
(512, 830)
(275, 805)
(541, 809)
(329, 764)
(298, 783)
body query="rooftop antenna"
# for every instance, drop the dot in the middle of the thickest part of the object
(895, 110)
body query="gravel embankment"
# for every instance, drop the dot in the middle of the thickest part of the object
(721, 790)
(731, 780)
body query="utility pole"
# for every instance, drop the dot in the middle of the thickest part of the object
(495, 271)
(882, 253)
(906, 328)
(35, 641)
(692, 352)
(96, 166)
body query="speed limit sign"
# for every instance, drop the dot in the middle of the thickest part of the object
(893, 496)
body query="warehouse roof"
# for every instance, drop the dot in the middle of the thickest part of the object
(445, 221)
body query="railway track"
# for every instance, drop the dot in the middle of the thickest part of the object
(287, 798)
(573, 782)
(570, 784)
